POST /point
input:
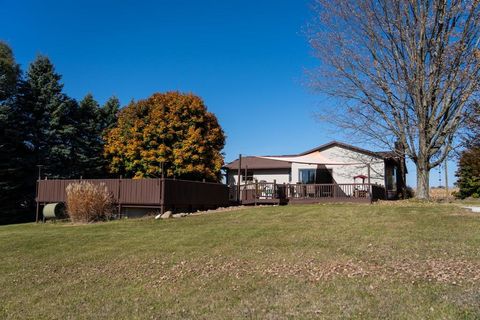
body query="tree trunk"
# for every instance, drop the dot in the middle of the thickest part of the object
(401, 183)
(423, 181)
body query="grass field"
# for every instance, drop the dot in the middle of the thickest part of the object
(319, 261)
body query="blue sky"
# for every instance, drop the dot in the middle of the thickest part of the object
(246, 59)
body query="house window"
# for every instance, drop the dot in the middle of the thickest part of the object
(306, 176)
(248, 177)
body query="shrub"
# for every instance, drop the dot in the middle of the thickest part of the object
(410, 193)
(88, 202)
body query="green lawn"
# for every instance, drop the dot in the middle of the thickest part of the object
(318, 261)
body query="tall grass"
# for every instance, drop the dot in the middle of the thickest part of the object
(88, 202)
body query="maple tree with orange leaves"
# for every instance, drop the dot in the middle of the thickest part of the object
(170, 129)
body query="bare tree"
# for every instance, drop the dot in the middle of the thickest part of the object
(471, 135)
(404, 71)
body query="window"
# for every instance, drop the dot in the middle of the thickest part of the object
(249, 176)
(306, 176)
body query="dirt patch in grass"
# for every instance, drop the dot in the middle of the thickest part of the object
(444, 271)
(407, 203)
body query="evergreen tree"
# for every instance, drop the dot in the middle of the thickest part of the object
(40, 125)
(88, 147)
(109, 114)
(13, 151)
(93, 122)
(468, 172)
(52, 126)
(9, 73)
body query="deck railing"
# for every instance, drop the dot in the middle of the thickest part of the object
(328, 191)
(262, 191)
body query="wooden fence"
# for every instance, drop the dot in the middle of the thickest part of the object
(163, 194)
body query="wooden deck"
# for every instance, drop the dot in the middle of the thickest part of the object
(272, 193)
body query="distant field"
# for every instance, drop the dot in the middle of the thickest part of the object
(411, 261)
(441, 193)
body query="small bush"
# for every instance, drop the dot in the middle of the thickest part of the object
(88, 202)
(410, 193)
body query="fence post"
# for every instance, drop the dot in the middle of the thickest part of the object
(119, 197)
(38, 205)
(162, 196)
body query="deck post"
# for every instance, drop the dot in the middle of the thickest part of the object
(274, 193)
(369, 183)
(246, 182)
(256, 191)
(385, 180)
(239, 172)
(245, 192)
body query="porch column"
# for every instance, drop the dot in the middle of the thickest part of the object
(369, 182)
(239, 172)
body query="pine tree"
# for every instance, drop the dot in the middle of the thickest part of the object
(14, 180)
(40, 125)
(52, 125)
(109, 114)
(88, 144)
(9, 73)
(468, 172)
(92, 123)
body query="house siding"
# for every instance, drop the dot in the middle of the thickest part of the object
(345, 174)
(269, 175)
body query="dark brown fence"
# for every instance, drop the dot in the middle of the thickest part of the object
(195, 195)
(164, 194)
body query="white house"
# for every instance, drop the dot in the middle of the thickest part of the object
(334, 163)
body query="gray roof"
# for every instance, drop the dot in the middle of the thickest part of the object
(345, 146)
